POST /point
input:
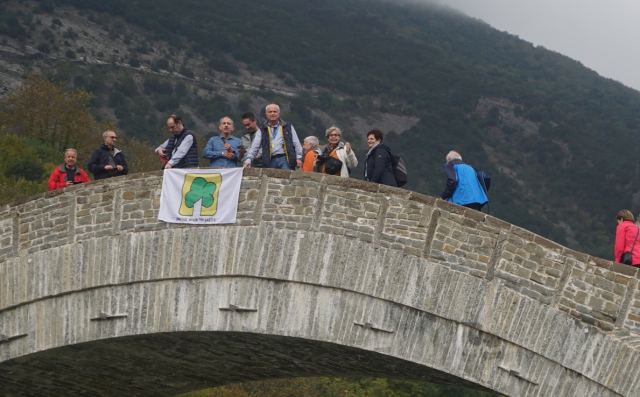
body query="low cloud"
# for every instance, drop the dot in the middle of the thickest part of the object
(601, 35)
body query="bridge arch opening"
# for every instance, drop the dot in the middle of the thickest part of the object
(167, 364)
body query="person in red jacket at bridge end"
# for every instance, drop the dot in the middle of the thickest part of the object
(627, 238)
(68, 173)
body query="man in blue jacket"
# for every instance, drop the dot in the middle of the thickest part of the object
(223, 150)
(462, 186)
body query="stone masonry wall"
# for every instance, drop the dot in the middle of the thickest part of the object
(544, 311)
(592, 290)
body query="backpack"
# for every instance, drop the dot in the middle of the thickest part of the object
(399, 169)
(485, 180)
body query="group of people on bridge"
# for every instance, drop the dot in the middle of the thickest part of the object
(272, 144)
(275, 144)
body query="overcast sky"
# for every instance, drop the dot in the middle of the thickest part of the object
(602, 34)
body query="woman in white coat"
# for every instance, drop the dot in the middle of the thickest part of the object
(334, 151)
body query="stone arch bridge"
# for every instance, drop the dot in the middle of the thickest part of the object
(320, 276)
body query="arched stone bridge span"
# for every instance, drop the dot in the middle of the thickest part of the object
(320, 276)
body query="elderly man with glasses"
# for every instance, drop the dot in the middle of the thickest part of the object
(108, 161)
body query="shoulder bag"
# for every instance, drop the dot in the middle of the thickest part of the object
(627, 257)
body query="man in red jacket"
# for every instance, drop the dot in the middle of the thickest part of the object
(68, 173)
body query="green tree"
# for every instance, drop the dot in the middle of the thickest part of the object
(41, 119)
(48, 112)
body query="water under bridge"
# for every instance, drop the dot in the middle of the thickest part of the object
(320, 276)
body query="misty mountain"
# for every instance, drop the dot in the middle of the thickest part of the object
(558, 139)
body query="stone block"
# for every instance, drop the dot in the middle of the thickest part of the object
(604, 284)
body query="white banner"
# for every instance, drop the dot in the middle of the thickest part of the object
(200, 196)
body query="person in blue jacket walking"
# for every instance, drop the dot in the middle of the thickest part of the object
(462, 185)
(223, 150)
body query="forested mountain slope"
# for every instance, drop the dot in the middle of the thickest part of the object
(559, 140)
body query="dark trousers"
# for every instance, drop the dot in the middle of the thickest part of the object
(475, 206)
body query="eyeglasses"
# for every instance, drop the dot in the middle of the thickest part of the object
(334, 135)
(113, 137)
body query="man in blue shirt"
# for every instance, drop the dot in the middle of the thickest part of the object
(223, 150)
(279, 142)
(462, 186)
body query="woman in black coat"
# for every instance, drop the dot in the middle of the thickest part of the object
(378, 167)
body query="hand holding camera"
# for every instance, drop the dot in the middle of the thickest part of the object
(228, 151)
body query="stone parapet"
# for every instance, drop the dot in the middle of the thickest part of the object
(593, 290)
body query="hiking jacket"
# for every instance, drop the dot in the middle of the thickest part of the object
(102, 157)
(462, 186)
(626, 232)
(58, 178)
(379, 167)
(309, 160)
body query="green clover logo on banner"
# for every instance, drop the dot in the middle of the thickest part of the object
(200, 190)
